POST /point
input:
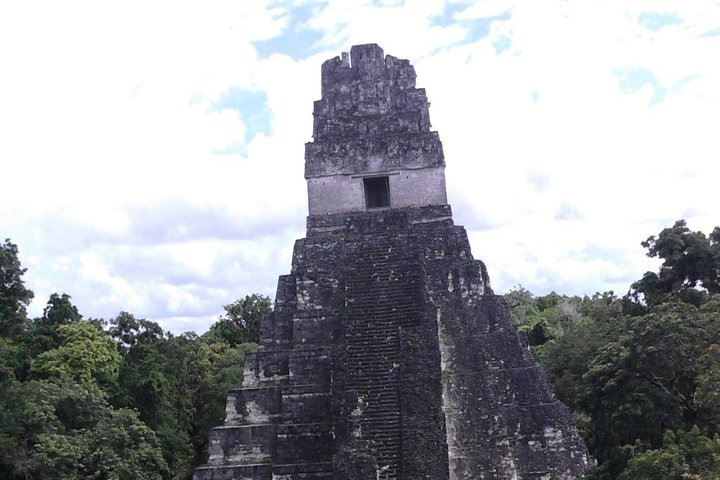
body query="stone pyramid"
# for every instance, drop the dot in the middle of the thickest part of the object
(387, 356)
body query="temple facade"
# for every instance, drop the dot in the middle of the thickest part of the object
(387, 356)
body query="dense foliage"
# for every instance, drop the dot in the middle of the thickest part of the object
(641, 373)
(123, 399)
(85, 398)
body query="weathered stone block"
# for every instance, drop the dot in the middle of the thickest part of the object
(253, 405)
(306, 403)
(243, 445)
(304, 443)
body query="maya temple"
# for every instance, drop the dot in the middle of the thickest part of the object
(387, 355)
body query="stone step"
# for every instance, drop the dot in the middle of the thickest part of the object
(368, 348)
(390, 280)
(381, 316)
(387, 415)
(260, 471)
(388, 287)
(359, 350)
(385, 364)
(382, 293)
(383, 440)
(377, 398)
(383, 449)
(305, 471)
(382, 404)
(381, 428)
(374, 367)
(381, 308)
(383, 302)
(390, 434)
(367, 273)
(374, 371)
(391, 283)
(369, 333)
(385, 259)
(383, 323)
(368, 386)
(371, 399)
(379, 341)
(363, 373)
(376, 304)
(380, 323)
(378, 330)
(365, 269)
(366, 335)
(382, 357)
(378, 381)
(384, 443)
(368, 325)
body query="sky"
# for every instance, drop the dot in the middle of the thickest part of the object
(151, 153)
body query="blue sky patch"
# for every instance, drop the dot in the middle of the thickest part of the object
(297, 40)
(680, 84)
(715, 32)
(448, 16)
(479, 28)
(535, 96)
(501, 44)
(539, 179)
(567, 212)
(235, 148)
(633, 79)
(654, 21)
(252, 108)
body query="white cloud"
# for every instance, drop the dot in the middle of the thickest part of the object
(110, 124)
(484, 9)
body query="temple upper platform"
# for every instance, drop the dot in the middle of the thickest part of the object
(372, 145)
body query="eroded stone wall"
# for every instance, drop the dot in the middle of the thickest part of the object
(408, 188)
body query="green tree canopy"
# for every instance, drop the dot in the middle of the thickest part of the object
(14, 297)
(61, 428)
(684, 455)
(242, 320)
(129, 331)
(85, 353)
(44, 332)
(642, 373)
(690, 268)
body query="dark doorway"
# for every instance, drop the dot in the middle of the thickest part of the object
(377, 192)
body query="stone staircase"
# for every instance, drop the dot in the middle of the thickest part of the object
(382, 298)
